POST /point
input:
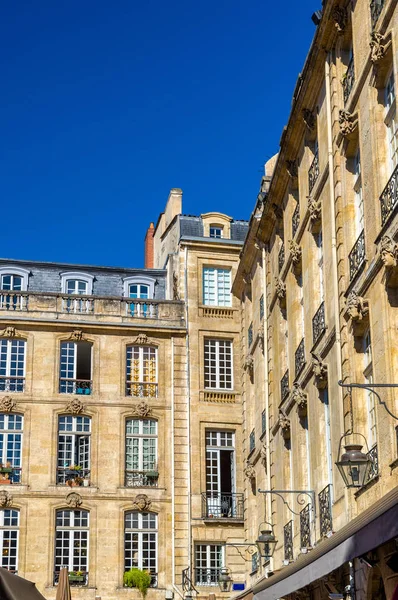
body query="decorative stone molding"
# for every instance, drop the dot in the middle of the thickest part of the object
(339, 16)
(378, 46)
(308, 118)
(280, 288)
(249, 471)
(389, 252)
(315, 210)
(249, 365)
(320, 371)
(300, 398)
(5, 499)
(141, 339)
(77, 335)
(348, 122)
(292, 168)
(142, 503)
(10, 332)
(74, 500)
(176, 295)
(261, 337)
(295, 252)
(247, 278)
(357, 307)
(142, 409)
(7, 404)
(263, 455)
(75, 406)
(259, 244)
(284, 425)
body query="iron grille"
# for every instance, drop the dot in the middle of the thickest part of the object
(357, 255)
(318, 323)
(305, 527)
(374, 468)
(207, 576)
(325, 511)
(389, 197)
(376, 6)
(252, 440)
(288, 540)
(281, 257)
(299, 358)
(349, 80)
(285, 386)
(313, 173)
(250, 335)
(296, 220)
(222, 505)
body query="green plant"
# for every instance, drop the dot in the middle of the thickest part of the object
(75, 468)
(139, 579)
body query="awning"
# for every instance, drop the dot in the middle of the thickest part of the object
(13, 587)
(375, 526)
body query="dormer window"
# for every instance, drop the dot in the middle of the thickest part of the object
(138, 290)
(76, 286)
(14, 279)
(216, 231)
(76, 283)
(139, 287)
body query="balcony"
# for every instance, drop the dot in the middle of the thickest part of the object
(75, 386)
(285, 386)
(76, 578)
(222, 505)
(348, 80)
(299, 359)
(313, 173)
(61, 307)
(376, 6)
(207, 576)
(148, 478)
(389, 197)
(141, 390)
(296, 220)
(305, 527)
(288, 541)
(12, 384)
(281, 257)
(357, 256)
(318, 324)
(374, 469)
(325, 511)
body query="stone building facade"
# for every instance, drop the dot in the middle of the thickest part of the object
(318, 289)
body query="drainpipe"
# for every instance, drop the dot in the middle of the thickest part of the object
(188, 412)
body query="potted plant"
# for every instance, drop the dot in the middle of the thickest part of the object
(139, 579)
(77, 481)
(76, 576)
(7, 468)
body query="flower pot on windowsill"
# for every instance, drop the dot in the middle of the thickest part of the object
(5, 481)
(79, 578)
(6, 469)
(152, 474)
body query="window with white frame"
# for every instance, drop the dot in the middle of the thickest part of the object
(216, 286)
(370, 397)
(216, 231)
(358, 197)
(141, 371)
(141, 542)
(391, 121)
(319, 245)
(12, 365)
(9, 538)
(209, 560)
(72, 544)
(11, 429)
(73, 459)
(13, 279)
(77, 283)
(139, 287)
(141, 452)
(218, 364)
(220, 474)
(75, 368)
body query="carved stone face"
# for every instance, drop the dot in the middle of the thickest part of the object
(388, 258)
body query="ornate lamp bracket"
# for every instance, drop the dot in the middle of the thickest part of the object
(244, 549)
(371, 388)
(300, 498)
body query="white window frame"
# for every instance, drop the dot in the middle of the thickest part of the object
(145, 386)
(23, 273)
(217, 358)
(78, 275)
(209, 580)
(71, 542)
(319, 246)
(358, 196)
(71, 383)
(137, 477)
(137, 280)
(7, 375)
(9, 451)
(391, 120)
(141, 532)
(216, 227)
(6, 533)
(215, 290)
(370, 397)
(76, 435)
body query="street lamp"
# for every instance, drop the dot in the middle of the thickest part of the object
(354, 465)
(266, 541)
(225, 580)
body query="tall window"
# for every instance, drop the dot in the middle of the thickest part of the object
(391, 121)
(141, 372)
(220, 474)
(73, 462)
(319, 245)
(141, 452)
(12, 365)
(216, 231)
(11, 427)
(358, 197)
(9, 537)
(72, 544)
(75, 368)
(216, 287)
(370, 397)
(218, 364)
(140, 542)
(209, 560)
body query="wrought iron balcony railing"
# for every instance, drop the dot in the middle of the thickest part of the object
(142, 309)
(299, 358)
(288, 540)
(305, 527)
(75, 386)
(222, 505)
(374, 469)
(389, 197)
(148, 478)
(141, 390)
(76, 578)
(263, 422)
(77, 304)
(68, 476)
(16, 301)
(348, 80)
(206, 577)
(252, 440)
(313, 172)
(325, 511)
(296, 220)
(12, 384)
(357, 255)
(318, 323)
(285, 386)
(376, 6)
(281, 257)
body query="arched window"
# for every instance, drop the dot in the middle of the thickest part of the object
(75, 368)
(141, 452)
(13, 279)
(73, 461)
(140, 542)
(9, 538)
(141, 372)
(11, 428)
(140, 287)
(12, 365)
(216, 231)
(72, 545)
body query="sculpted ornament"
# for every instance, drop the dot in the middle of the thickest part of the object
(291, 167)
(74, 500)
(261, 336)
(315, 209)
(357, 307)
(320, 371)
(378, 47)
(77, 335)
(295, 251)
(389, 252)
(249, 471)
(340, 18)
(7, 404)
(5, 499)
(249, 365)
(141, 339)
(300, 398)
(348, 122)
(263, 455)
(9, 332)
(284, 424)
(142, 503)
(142, 409)
(309, 118)
(280, 288)
(75, 406)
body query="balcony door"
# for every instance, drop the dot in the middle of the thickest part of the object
(220, 474)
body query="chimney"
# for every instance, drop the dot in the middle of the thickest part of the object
(149, 247)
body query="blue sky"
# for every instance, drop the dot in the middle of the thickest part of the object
(105, 106)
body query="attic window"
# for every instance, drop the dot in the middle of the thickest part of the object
(216, 231)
